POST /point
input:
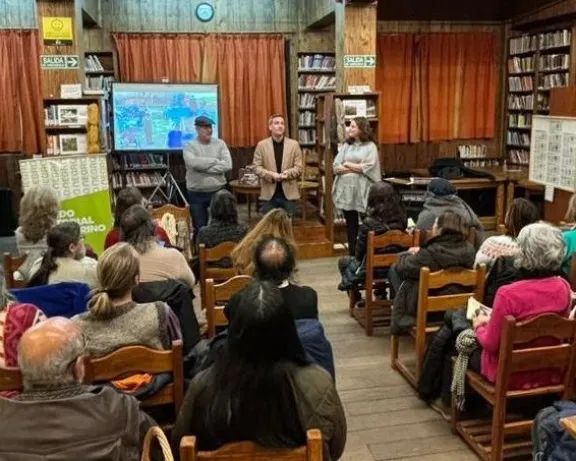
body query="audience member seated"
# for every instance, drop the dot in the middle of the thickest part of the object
(156, 262)
(65, 260)
(56, 417)
(385, 212)
(275, 223)
(261, 387)
(570, 235)
(124, 200)
(521, 213)
(442, 197)
(542, 251)
(38, 213)
(113, 319)
(15, 319)
(448, 248)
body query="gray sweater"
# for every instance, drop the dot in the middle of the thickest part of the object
(206, 165)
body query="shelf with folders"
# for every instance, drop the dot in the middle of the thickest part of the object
(537, 63)
(334, 112)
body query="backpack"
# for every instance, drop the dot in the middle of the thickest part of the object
(550, 441)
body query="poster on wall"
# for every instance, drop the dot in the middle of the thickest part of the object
(81, 183)
(57, 31)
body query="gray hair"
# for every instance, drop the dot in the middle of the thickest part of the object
(542, 248)
(54, 369)
(5, 296)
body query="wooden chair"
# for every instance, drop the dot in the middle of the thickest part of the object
(377, 312)
(218, 274)
(502, 229)
(10, 379)
(487, 437)
(183, 237)
(249, 451)
(427, 304)
(11, 265)
(216, 298)
(131, 360)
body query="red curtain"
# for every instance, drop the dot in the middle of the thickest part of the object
(22, 126)
(250, 70)
(437, 86)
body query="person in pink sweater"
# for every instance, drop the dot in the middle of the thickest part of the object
(541, 252)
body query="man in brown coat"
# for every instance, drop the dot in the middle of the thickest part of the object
(57, 417)
(278, 162)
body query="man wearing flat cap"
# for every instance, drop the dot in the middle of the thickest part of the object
(207, 161)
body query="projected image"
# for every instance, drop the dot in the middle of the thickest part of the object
(160, 116)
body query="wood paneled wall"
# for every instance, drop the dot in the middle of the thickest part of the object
(179, 16)
(17, 14)
(312, 12)
(92, 7)
(421, 155)
(360, 39)
(545, 11)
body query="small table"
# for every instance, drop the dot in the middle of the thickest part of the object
(254, 191)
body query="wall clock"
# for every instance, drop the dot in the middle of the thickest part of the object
(205, 12)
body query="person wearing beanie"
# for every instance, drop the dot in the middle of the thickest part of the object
(441, 197)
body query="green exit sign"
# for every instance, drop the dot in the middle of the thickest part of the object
(360, 60)
(59, 61)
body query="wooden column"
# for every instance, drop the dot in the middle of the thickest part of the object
(356, 29)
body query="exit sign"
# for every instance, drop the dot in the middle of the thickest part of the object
(360, 60)
(59, 61)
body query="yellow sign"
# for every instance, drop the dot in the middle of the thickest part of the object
(57, 31)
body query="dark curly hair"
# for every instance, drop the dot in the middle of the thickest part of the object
(224, 208)
(385, 204)
(366, 133)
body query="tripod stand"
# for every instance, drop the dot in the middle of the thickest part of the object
(172, 188)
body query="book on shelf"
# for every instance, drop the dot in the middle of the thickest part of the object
(519, 156)
(515, 138)
(307, 117)
(550, 81)
(66, 144)
(316, 82)
(519, 65)
(517, 84)
(307, 136)
(523, 44)
(93, 63)
(472, 151)
(138, 179)
(143, 160)
(307, 100)
(98, 83)
(521, 101)
(519, 120)
(552, 62)
(316, 61)
(556, 39)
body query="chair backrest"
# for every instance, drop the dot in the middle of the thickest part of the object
(573, 271)
(216, 298)
(180, 236)
(249, 451)
(131, 360)
(515, 357)
(10, 379)
(426, 235)
(218, 274)
(11, 265)
(502, 229)
(472, 279)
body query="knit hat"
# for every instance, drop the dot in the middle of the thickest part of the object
(441, 187)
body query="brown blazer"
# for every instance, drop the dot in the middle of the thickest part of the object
(265, 164)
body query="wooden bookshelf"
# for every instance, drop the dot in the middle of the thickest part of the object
(537, 62)
(327, 150)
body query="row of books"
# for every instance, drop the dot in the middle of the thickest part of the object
(307, 117)
(468, 151)
(481, 163)
(519, 156)
(140, 160)
(316, 81)
(550, 40)
(554, 62)
(521, 102)
(553, 81)
(99, 83)
(521, 83)
(66, 144)
(317, 61)
(514, 138)
(517, 65)
(138, 179)
(523, 44)
(306, 136)
(66, 115)
(307, 100)
(519, 120)
(93, 63)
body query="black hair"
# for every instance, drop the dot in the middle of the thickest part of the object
(522, 212)
(224, 208)
(385, 204)
(366, 133)
(138, 228)
(274, 260)
(248, 394)
(125, 199)
(59, 239)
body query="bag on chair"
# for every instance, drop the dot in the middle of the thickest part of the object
(550, 440)
(156, 433)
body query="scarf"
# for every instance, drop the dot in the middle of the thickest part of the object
(466, 343)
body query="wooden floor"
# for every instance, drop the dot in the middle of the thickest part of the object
(386, 420)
